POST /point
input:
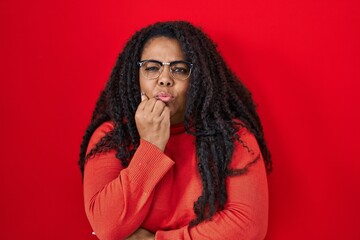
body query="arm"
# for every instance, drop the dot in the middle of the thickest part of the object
(117, 200)
(245, 214)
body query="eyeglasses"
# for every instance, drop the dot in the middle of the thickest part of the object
(152, 69)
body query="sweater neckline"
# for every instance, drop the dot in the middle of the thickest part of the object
(177, 128)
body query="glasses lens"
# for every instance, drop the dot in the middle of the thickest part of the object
(180, 70)
(151, 69)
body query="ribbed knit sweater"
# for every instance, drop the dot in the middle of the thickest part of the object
(158, 189)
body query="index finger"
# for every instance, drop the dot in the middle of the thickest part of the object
(143, 96)
(144, 99)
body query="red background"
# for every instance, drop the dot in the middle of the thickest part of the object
(300, 59)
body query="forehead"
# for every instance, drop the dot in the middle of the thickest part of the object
(163, 49)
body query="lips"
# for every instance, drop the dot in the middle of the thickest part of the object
(165, 97)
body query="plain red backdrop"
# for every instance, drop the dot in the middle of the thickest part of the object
(300, 59)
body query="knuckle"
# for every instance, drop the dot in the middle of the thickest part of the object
(156, 119)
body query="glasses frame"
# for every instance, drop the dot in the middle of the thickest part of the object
(162, 64)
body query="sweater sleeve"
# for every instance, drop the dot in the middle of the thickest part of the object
(118, 199)
(245, 214)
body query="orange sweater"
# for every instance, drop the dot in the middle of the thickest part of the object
(158, 189)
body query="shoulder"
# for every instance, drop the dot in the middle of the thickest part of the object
(247, 140)
(99, 133)
(104, 128)
(246, 149)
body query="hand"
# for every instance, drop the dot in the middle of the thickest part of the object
(152, 119)
(141, 234)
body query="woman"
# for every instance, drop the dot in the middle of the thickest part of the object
(175, 148)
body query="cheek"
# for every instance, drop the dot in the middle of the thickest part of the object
(144, 85)
(185, 88)
(183, 92)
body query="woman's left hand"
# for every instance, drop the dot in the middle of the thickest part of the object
(141, 234)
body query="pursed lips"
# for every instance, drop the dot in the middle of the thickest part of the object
(164, 96)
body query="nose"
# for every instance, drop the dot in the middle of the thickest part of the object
(165, 79)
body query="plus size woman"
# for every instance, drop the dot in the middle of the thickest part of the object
(175, 148)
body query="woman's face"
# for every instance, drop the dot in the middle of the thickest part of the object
(165, 88)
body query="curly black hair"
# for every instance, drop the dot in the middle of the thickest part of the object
(217, 105)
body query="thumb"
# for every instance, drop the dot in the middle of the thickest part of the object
(143, 96)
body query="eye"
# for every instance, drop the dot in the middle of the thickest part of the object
(152, 69)
(180, 70)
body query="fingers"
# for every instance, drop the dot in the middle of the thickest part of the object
(158, 108)
(144, 99)
(151, 106)
(165, 114)
(143, 96)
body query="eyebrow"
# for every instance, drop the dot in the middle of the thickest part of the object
(151, 59)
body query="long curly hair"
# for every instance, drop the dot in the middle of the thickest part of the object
(217, 105)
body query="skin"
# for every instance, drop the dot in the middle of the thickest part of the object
(154, 117)
(141, 234)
